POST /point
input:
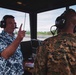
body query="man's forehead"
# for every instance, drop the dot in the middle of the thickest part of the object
(10, 19)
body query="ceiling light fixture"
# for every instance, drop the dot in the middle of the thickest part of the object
(19, 3)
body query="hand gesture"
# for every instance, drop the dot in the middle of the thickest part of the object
(21, 33)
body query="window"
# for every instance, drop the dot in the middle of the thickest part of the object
(73, 7)
(45, 20)
(20, 18)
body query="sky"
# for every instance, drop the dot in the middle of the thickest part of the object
(44, 20)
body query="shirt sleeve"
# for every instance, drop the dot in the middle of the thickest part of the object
(40, 61)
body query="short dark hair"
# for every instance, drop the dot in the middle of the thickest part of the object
(7, 16)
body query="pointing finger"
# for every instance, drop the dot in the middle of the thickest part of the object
(20, 27)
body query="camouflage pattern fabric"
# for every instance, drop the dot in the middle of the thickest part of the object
(57, 56)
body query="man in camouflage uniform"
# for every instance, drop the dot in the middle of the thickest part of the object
(57, 55)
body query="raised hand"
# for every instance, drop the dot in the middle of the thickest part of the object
(21, 33)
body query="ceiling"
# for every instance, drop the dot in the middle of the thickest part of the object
(35, 5)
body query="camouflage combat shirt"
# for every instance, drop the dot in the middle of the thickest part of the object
(57, 56)
(13, 65)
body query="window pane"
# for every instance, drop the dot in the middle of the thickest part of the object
(73, 7)
(45, 20)
(20, 18)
